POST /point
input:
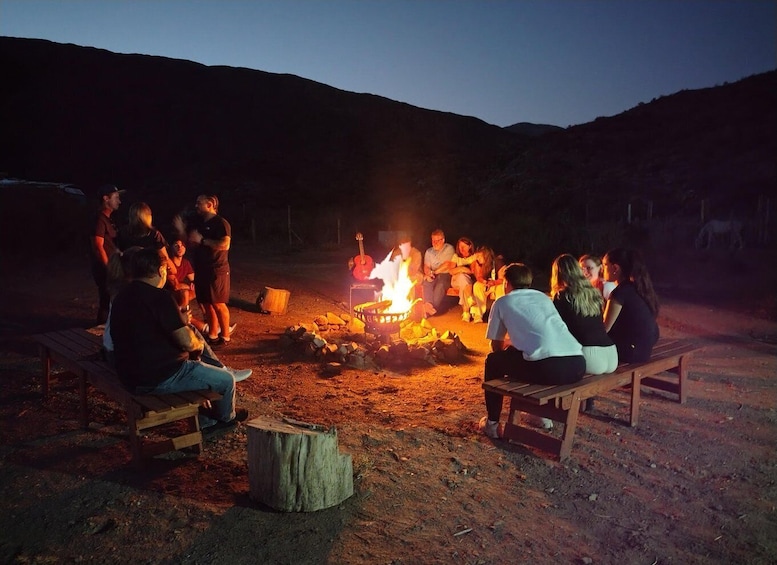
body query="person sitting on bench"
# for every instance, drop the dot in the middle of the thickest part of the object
(631, 311)
(152, 343)
(542, 350)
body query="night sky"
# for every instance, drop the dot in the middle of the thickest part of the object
(560, 62)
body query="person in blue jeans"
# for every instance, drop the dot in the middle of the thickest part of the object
(154, 347)
(438, 260)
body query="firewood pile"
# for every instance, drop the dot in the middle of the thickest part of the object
(341, 341)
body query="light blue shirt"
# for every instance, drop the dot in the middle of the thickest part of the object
(434, 259)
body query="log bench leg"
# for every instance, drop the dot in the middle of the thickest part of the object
(682, 373)
(570, 425)
(517, 432)
(636, 386)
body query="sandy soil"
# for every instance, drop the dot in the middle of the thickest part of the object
(693, 483)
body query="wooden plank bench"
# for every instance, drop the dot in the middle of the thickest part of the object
(78, 351)
(561, 403)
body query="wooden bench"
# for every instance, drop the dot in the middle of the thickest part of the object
(79, 352)
(561, 403)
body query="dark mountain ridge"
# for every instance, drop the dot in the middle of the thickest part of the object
(169, 129)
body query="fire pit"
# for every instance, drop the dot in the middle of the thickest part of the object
(378, 320)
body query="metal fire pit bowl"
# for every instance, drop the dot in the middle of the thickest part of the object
(377, 320)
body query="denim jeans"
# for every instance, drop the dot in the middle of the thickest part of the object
(194, 375)
(435, 290)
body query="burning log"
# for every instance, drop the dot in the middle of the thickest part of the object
(348, 345)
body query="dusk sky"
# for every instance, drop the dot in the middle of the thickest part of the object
(560, 62)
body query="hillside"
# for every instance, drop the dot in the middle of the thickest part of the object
(153, 124)
(169, 129)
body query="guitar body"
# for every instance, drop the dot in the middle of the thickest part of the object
(362, 264)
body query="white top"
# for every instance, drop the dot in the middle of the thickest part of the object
(534, 325)
(607, 288)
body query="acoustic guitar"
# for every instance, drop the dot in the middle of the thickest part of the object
(363, 264)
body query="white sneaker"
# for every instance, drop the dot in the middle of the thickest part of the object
(206, 329)
(240, 374)
(465, 317)
(490, 428)
(544, 423)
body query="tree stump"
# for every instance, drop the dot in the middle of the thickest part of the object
(295, 466)
(273, 300)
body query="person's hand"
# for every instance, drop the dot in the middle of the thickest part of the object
(179, 224)
(196, 237)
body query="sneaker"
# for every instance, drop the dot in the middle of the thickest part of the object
(217, 343)
(490, 428)
(219, 429)
(240, 374)
(465, 317)
(241, 414)
(544, 423)
(477, 319)
(206, 421)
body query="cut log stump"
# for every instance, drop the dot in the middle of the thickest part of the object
(274, 300)
(295, 466)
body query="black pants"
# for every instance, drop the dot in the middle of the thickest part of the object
(509, 363)
(100, 275)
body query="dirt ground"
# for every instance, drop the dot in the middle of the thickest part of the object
(693, 483)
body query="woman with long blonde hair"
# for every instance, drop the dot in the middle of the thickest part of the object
(140, 232)
(581, 307)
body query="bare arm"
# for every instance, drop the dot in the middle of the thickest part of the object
(497, 345)
(98, 244)
(611, 312)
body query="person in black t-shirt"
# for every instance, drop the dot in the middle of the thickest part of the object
(631, 311)
(153, 344)
(210, 237)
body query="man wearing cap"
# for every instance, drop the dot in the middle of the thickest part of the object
(103, 245)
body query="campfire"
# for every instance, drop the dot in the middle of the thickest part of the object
(342, 340)
(378, 319)
(385, 317)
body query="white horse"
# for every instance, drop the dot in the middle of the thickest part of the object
(714, 229)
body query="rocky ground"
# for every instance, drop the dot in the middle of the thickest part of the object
(693, 483)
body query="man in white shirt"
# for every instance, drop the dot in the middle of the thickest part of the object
(541, 349)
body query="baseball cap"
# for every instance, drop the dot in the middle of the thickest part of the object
(108, 189)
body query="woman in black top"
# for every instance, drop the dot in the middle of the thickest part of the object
(631, 311)
(580, 306)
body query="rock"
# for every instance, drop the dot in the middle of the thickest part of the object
(331, 370)
(334, 319)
